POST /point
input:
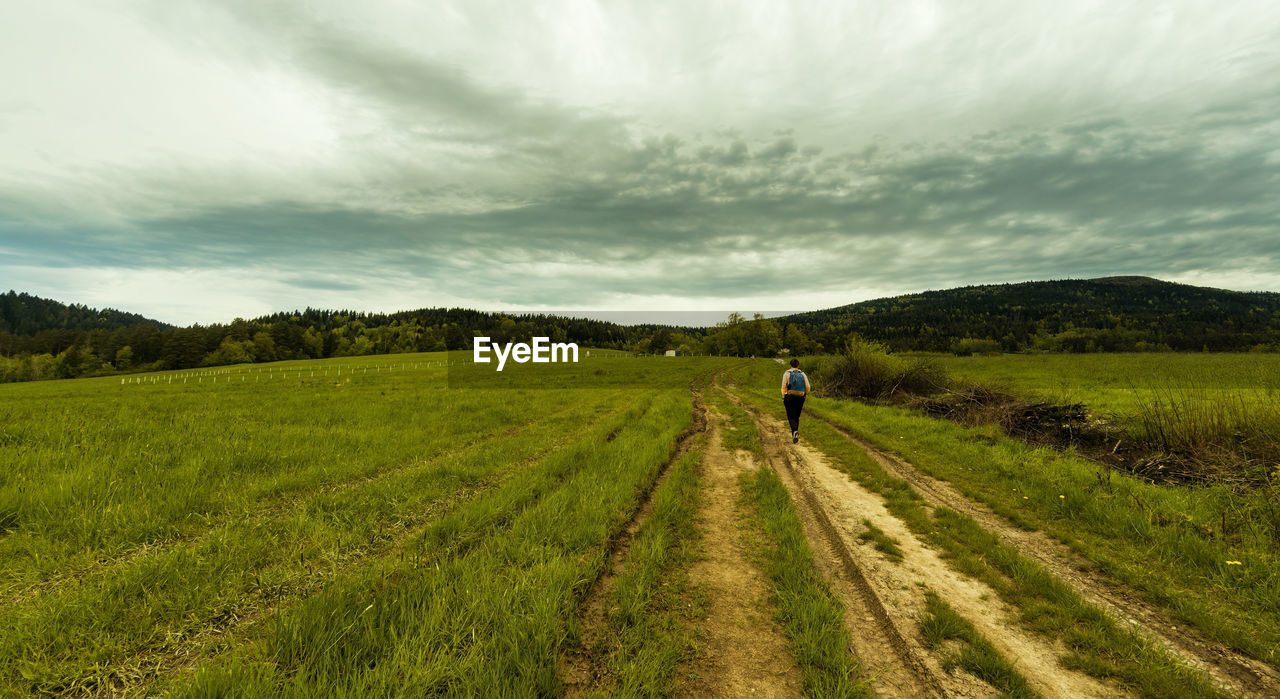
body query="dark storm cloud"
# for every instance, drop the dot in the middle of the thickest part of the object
(422, 167)
(717, 220)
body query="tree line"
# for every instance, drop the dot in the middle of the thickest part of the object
(45, 339)
(69, 352)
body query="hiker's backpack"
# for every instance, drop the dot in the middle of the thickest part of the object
(795, 382)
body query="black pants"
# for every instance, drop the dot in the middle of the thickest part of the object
(793, 404)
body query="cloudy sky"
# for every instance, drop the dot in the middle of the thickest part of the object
(197, 161)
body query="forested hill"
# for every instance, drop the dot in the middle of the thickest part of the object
(34, 351)
(1111, 314)
(44, 339)
(24, 314)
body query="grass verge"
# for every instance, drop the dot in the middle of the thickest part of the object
(812, 618)
(652, 607)
(976, 655)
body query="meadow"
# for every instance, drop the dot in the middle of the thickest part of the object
(188, 530)
(1215, 416)
(1122, 383)
(409, 524)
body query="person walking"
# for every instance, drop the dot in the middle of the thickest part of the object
(795, 386)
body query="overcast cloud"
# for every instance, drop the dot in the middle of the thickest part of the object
(201, 161)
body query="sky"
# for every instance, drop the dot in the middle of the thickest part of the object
(205, 160)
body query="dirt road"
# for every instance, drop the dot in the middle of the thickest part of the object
(742, 651)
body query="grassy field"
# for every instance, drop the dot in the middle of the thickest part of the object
(354, 527)
(1208, 417)
(1122, 383)
(192, 529)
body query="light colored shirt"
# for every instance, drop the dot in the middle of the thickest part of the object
(787, 375)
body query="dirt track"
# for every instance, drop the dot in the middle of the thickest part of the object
(888, 603)
(743, 652)
(1231, 670)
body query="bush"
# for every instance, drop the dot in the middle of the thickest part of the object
(865, 369)
(970, 346)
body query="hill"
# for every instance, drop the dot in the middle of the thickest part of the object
(24, 314)
(42, 339)
(1109, 314)
(47, 342)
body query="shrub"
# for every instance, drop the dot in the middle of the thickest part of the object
(971, 346)
(865, 369)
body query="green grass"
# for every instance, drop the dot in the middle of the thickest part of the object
(488, 618)
(881, 541)
(241, 566)
(811, 616)
(1097, 643)
(1116, 383)
(1220, 413)
(652, 607)
(739, 429)
(166, 527)
(976, 655)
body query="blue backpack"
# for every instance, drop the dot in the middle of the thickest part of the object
(795, 381)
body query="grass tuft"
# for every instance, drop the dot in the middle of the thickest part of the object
(883, 542)
(976, 654)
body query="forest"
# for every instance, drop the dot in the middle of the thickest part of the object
(72, 341)
(1111, 314)
(40, 338)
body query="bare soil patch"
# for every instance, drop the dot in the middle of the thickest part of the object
(744, 653)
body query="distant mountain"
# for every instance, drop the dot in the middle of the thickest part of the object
(1070, 315)
(24, 314)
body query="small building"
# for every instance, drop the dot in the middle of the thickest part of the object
(671, 353)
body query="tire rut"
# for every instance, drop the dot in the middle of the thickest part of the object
(895, 587)
(897, 667)
(583, 668)
(1230, 669)
(743, 651)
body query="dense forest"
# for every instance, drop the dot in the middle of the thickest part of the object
(64, 350)
(77, 342)
(1113, 314)
(41, 339)
(24, 314)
